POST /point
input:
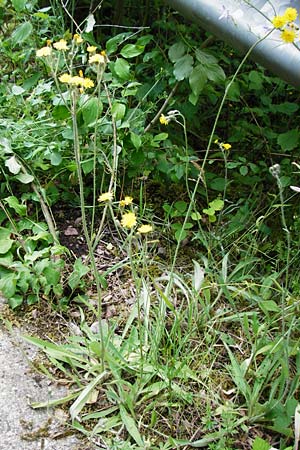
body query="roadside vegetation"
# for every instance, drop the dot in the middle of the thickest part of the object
(149, 197)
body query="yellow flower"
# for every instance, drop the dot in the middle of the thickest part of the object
(61, 45)
(77, 38)
(103, 53)
(163, 120)
(91, 48)
(143, 229)
(76, 80)
(97, 59)
(128, 220)
(87, 83)
(65, 78)
(290, 14)
(288, 35)
(279, 21)
(226, 146)
(106, 197)
(44, 51)
(127, 201)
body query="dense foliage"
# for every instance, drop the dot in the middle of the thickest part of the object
(122, 134)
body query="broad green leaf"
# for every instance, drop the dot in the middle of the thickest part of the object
(17, 90)
(269, 306)
(244, 170)
(217, 204)
(136, 140)
(215, 73)
(21, 33)
(15, 301)
(218, 184)
(288, 140)
(19, 5)
(8, 285)
(13, 165)
(56, 158)
(197, 80)
(118, 110)
(113, 43)
(176, 51)
(24, 178)
(91, 111)
(130, 426)
(260, 444)
(131, 50)
(183, 67)
(205, 58)
(60, 112)
(14, 203)
(122, 69)
(181, 206)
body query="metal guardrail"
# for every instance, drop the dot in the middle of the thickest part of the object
(241, 23)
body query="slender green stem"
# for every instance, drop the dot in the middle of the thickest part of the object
(84, 220)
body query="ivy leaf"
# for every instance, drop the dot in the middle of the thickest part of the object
(183, 67)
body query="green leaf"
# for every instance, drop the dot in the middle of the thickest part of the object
(113, 43)
(215, 73)
(24, 178)
(269, 306)
(122, 69)
(197, 80)
(217, 204)
(244, 170)
(288, 140)
(19, 5)
(176, 51)
(13, 165)
(183, 67)
(181, 206)
(91, 111)
(8, 285)
(60, 112)
(118, 110)
(21, 33)
(15, 301)
(84, 396)
(260, 444)
(14, 203)
(131, 427)
(136, 140)
(56, 158)
(205, 58)
(131, 50)
(218, 184)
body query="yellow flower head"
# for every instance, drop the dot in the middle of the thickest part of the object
(77, 38)
(290, 14)
(44, 51)
(87, 83)
(65, 78)
(97, 59)
(76, 80)
(61, 45)
(143, 229)
(288, 35)
(106, 197)
(279, 21)
(226, 146)
(163, 120)
(128, 220)
(127, 201)
(91, 48)
(103, 53)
